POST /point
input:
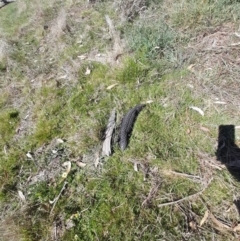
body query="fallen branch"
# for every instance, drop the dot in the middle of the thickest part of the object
(185, 198)
(54, 202)
(195, 178)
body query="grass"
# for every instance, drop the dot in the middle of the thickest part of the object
(50, 93)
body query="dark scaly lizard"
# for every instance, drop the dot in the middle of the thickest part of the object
(127, 125)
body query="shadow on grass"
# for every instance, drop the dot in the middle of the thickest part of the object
(237, 204)
(228, 152)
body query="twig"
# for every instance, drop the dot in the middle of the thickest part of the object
(56, 198)
(183, 175)
(186, 198)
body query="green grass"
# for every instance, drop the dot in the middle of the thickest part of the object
(194, 15)
(114, 202)
(150, 39)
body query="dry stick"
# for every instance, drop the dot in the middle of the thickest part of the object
(186, 198)
(182, 174)
(58, 196)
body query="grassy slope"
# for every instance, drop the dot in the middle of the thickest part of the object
(46, 94)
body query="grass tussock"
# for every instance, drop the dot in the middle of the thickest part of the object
(64, 66)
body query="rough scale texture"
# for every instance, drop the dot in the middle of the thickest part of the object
(127, 125)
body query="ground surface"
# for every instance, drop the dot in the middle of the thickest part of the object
(65, 65)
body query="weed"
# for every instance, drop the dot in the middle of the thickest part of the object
(150, 39)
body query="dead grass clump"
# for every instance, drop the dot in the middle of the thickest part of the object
(129, 10)
(215, 67)
(9, 230)
(3, 49)
(216, 46)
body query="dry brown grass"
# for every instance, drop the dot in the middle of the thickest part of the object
(9, 230)
(215, 69)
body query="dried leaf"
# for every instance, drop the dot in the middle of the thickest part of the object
(21, 195)
(135, 167)
(205, 129)
(204, 218)
(148, 102)
(59, 141)
(81, 164)
(5, 149)
(62, 77)
(111, 86)
(29, 155)
(237, 34)
(229, 209)
(191, 68)
(235, 44)
(197, 109)
(53, 201)
(193, 225)
(190, 86)
(220, 102)
(82, 57)
(88, 71)
(96, 162)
